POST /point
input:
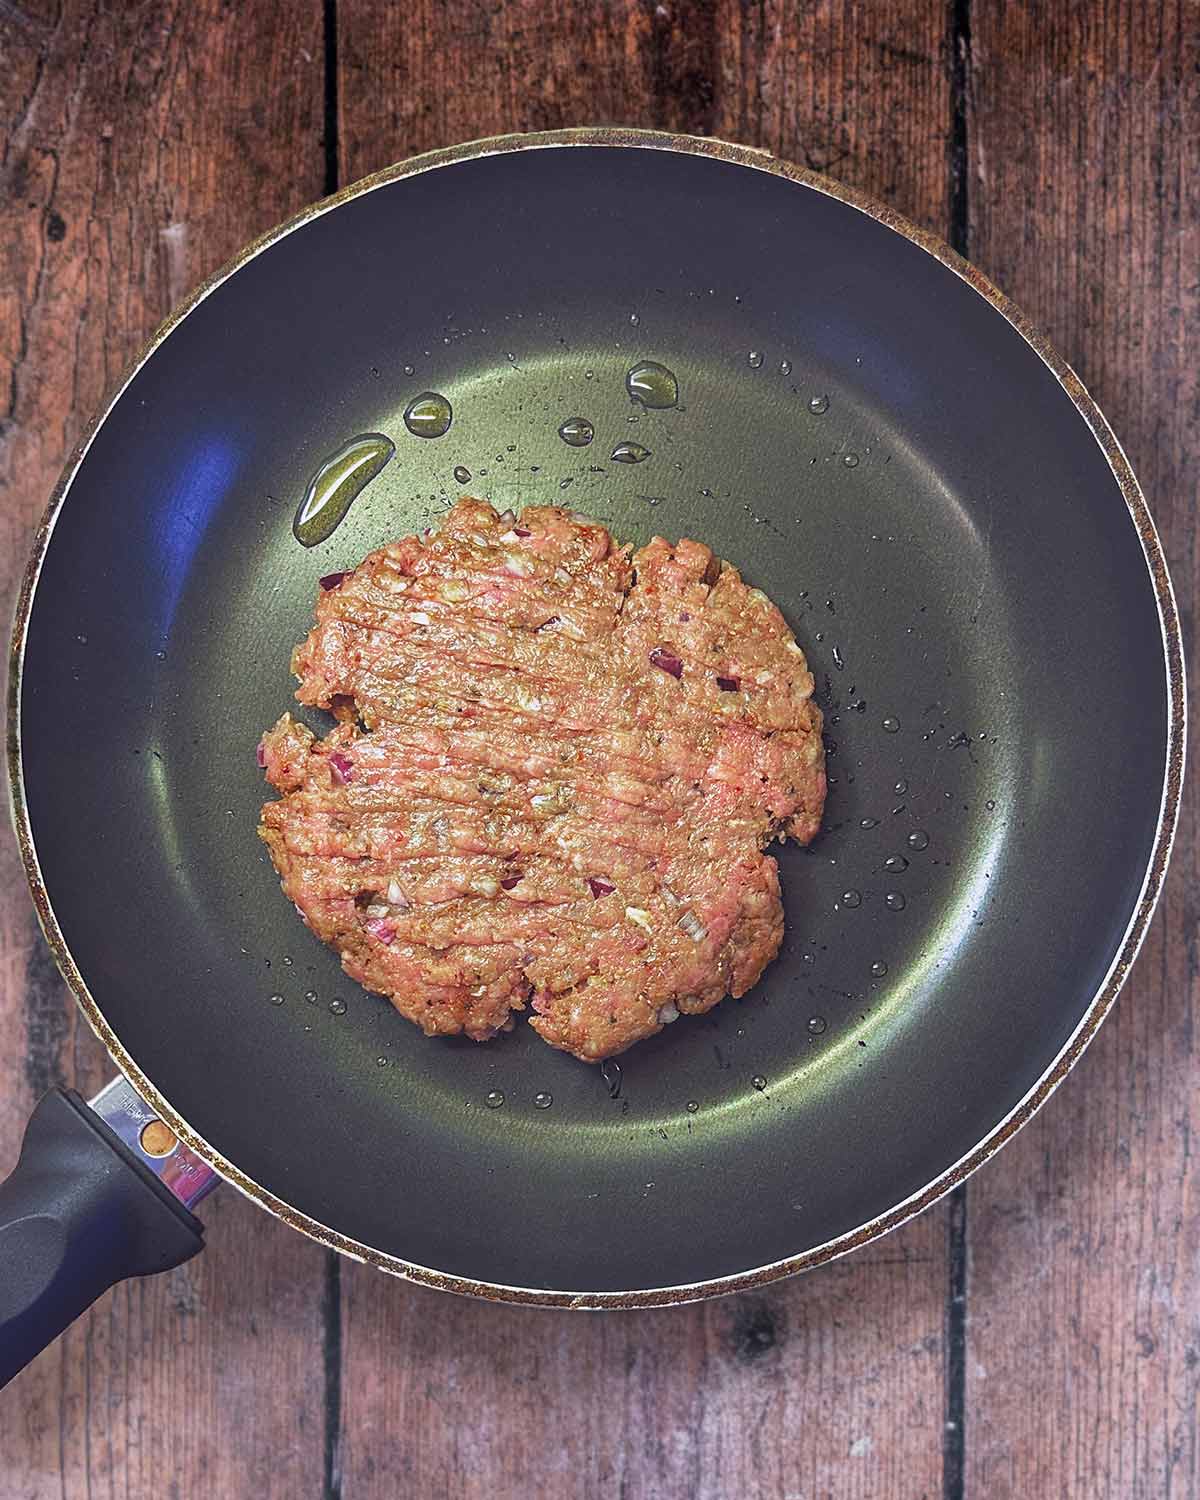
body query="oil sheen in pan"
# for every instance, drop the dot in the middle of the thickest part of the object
(336, 485)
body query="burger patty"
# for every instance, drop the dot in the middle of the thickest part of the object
(555, 770)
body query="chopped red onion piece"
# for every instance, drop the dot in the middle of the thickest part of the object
(510, 882)
(599, 887)
(553, 620)
(521, 531)
(331, 580)
(693, 926)
(728, 684)
(506, 518)
(341, 767)
(260, 755)
(666, 661)
(381, 929)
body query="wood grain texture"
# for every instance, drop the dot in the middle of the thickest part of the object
(833, 1384)
(857, 89)
(141, 145)
(826, 1385)
(1083, 1350)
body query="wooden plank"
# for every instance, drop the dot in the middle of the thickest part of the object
(1083, 1346)
(858, 90)
(828, 1385)
(141, 146)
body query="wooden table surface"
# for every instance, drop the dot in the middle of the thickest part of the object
(1038, 1334)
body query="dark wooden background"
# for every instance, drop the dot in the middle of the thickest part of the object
(1037, 1335)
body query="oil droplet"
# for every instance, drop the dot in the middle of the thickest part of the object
(634, 319)
(428, 415)
(543, 1100)
(311, 996)
(754, 359)
(494, 1099)
(287, 962)
(336, 485)
(900, 788)
(653, 385)
(629, 453)
(759, 1082)
(837, 659)
(611, 1073)
(990, 805)
(896, 864)
(818, 405)
(879, 969)
(276, 999)
(577, 432)
(851, 460)
(462, 474)
(162, 655)
(851, 898)
(408, 370)
(337, 1007)
(692, 1106)
(918, 839)
(895, 901)
(589, 374)
(381, 1062)
(817, 1025)
(868, 822)
(891, 724)
(785, 367)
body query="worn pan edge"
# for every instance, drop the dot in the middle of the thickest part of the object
(1131, 941)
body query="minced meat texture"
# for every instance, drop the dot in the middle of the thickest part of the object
(555, 770)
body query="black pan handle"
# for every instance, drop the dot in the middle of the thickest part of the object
(78, 1214)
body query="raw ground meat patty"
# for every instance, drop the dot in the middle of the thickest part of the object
(555, 770)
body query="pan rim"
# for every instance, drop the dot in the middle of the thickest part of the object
(1097, 1007)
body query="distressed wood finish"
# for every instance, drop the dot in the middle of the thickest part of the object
(826, 1385)
(833, 1384)
(859, 90)
(141, 146)
(1083, 1365)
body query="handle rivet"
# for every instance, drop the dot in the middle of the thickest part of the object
(157, 1139)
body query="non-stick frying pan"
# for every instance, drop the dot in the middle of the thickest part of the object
(879, 440)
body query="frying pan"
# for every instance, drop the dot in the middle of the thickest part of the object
(878, 439)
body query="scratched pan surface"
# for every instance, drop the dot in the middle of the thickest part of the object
(901, 471)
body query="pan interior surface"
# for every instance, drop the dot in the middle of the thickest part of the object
(872, 443)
